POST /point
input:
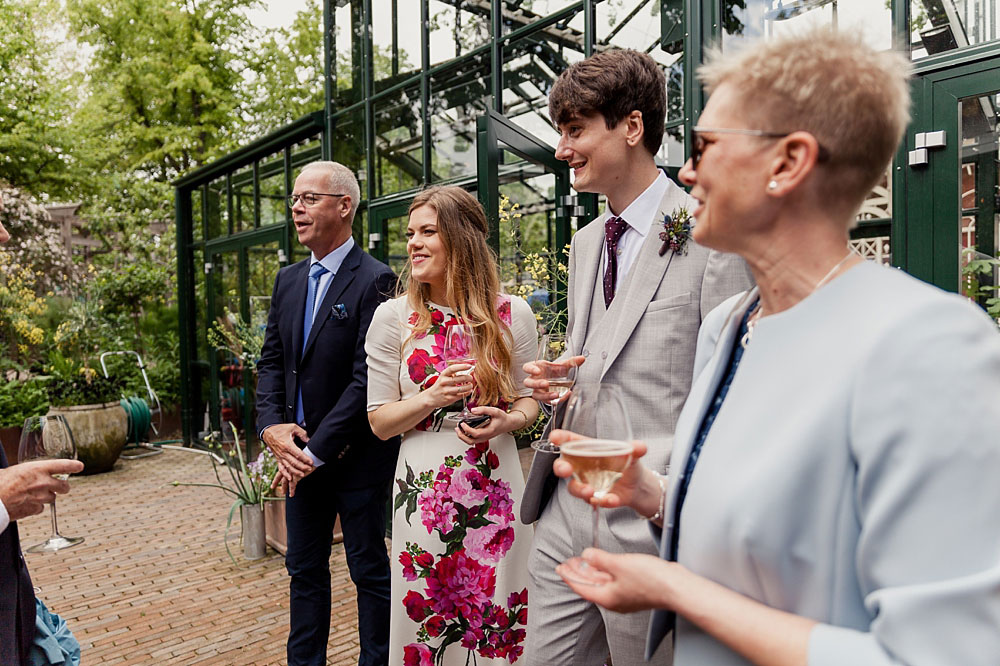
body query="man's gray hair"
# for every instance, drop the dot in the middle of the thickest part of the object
(340, 180)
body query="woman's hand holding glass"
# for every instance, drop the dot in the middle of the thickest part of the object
(454, 383)
(632, 488)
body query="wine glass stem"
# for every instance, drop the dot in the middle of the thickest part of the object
(597, 516)
(55, 526)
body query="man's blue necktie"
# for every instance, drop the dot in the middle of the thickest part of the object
(316, 271)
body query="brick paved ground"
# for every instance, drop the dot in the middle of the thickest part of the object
(152, 583)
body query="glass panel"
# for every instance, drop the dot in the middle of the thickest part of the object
(945, 25)
(348, 144)
(531, 65)
(242, 200)
(395, 39)
(518, 13)
(458, 96)
(272, 190)
(216, 222)
(398, 140)
(533, 190)
(742, 19)
(396, 233)
(980, 185)
(455, 31)
(637, 25)
(225, 280)
(347, 46)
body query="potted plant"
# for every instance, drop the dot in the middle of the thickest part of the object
(90, 403)
(263, 470)
(250, 493)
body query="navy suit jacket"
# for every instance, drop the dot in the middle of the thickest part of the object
(17, 596)
(332, 370)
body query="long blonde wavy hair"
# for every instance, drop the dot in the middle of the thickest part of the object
(473, 287)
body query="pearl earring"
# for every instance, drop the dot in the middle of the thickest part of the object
(773, 185)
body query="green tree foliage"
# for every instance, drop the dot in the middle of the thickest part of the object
(38, 88)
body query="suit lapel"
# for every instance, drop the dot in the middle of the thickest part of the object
(643, 280)
(704, 388)
(344, 277)
(587, 264)
(300, 286)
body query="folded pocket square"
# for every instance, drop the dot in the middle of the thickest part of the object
(339, 311)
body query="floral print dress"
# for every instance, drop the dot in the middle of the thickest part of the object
(459, 555)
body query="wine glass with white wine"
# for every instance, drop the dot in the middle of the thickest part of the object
(554, 350)
(49, 438)
(458, 349)
(597, 413)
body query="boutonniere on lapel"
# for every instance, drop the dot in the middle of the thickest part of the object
(339, 311)
(676, 231)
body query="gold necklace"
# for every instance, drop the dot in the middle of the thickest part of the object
(758, 311)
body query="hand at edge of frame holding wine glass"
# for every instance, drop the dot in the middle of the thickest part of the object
(49, 439)
(25, 488)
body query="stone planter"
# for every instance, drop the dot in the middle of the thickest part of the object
(100, 432)
(254, 546)
(277, 531)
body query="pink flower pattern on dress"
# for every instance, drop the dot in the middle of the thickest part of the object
(472, 514)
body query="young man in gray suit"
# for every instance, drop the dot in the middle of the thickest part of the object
(635, 304)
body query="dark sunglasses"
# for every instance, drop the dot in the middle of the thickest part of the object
(698, 143)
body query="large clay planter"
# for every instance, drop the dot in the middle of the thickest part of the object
(100, 432)
(277, 531)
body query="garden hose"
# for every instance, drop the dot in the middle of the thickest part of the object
(140, 418)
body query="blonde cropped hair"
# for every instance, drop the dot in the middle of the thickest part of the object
(853, 99)
(340, 180)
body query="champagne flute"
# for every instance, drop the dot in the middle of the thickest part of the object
(553, 349)
(49, 438)
(599, 414)
(458, 348)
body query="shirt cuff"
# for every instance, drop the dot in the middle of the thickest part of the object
(316, 461)
(4, 517)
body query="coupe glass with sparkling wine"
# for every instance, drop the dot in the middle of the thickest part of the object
(49, 438)
(598, 414)
(561, 377)
(458, 346)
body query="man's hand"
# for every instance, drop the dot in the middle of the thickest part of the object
(294, 464)
(26, 487)
(537, 379)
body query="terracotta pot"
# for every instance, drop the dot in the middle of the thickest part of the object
(100, 432)
(254, 546)
(277, 530)
(10, 438)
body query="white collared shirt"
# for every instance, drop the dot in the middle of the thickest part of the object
(640, 215)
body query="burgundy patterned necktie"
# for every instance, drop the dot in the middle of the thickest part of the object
(613, 230)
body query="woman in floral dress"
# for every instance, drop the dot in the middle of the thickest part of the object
(459, 556)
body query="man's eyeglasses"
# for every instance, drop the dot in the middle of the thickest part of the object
(309, 199)
(698, 144)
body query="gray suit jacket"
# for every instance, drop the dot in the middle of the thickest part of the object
(644, 344)
(850, 476)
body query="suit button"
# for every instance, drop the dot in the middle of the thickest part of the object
(604, 354)
(295, 372)
(291, 407)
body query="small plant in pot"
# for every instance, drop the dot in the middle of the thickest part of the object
(250, 490)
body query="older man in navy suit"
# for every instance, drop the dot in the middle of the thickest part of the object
(24, 489)
(311, 398)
